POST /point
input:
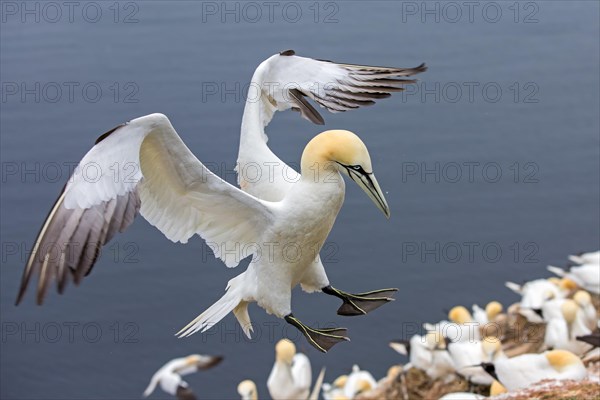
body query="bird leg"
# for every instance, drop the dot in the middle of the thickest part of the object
(321, 339)
(360, 303)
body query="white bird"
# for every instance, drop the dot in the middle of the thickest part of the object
(247, 390)
(460, 327)
(335, 390)
(169, 375)
(418, 349)
(588, 311)
(291, 376)
(562, 331)
(586, 258)
(468, 355)
(492, 310)
(359, 381)
(521, 371)
(534, 294)
(586, 276)
(143, 165)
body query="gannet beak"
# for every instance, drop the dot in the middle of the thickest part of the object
(368, 183)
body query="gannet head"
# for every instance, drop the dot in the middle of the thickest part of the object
(567, 284)
(340, 381)
(569, 310)
(285, 351)
(492, 310)
(459, 315)
(491, 346)
(342, 151)
(247, 390)
(582, 298)
(562, 359)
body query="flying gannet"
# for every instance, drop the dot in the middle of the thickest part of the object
(169, 375)
(176, 193)
(158, 176)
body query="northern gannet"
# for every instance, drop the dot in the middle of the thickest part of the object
(169, 375)
(562, 331)
(176, 193)
(247, 390)
(157, 174)
(588, 311)
(291, 376)
(587, 276)
(467, 357)
(492, 310)
(521, 371)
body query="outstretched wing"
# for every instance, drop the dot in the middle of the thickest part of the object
(142, 165)
(287, 81)
(338, 87)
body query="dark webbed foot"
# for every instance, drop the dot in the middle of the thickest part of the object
(321, 339)
(361, 303)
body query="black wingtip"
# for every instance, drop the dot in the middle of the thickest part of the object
(107, 134)
(287, 53)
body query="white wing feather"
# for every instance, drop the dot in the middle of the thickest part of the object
(146, 162)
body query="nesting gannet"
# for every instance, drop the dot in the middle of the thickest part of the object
(291, 376)
(521, 371)
(169, 375)
(442, 364)
(359, 381)
(467, 357)
(176, 193)
(335, 390)
(460, 327)
(492, 310)
(533, 296)
(171, 198)
(247, 390)
(562, 331)
(587, 309)
(586, 258)
(586, 276)
(418, 349)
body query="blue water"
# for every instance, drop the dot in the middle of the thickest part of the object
(519, 99)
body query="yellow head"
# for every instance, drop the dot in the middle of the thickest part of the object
(285, 351)
(344, 152)
(340, 381)
(497, 389)
(567, 284)
(569, 310)
(459, 315)
(491, 346)
(492, 309)
(562, 359)
(247, 390)
(582, 298)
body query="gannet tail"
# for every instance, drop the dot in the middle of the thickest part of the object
(232, 301)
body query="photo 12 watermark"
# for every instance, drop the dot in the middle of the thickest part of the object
(453, 12)
(253, 12)
(54, 12)
(90, 332)
(469, 252)
(69, 92)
